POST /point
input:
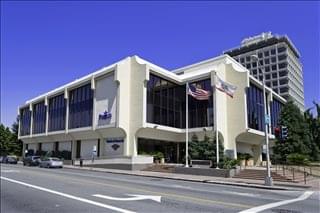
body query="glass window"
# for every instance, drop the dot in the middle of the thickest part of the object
(273, 60)
(266, 53)
(259, 55)
(273, 52)
(254, 64)
(25, 121)
(274, 67)
(80, 107)
(39, 118)
(282, 65)
(268, 76)
(57, 113)
(281, 49)
(242, 60)
(248, 59)
(267, 69)
(166, 104)
(255, 107)
(248, 66)
(267, 61)
(275, 110)
(283, 89)
(274, 75)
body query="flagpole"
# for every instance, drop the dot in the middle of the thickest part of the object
(216, 119)
(187, 119)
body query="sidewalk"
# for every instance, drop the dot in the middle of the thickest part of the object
(207, 179)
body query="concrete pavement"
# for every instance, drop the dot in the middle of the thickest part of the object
(207, 179)
(32, 189)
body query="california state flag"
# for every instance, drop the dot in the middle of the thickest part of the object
(225, 87)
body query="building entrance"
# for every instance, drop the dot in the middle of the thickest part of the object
(173, 151)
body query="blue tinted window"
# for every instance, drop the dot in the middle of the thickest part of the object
(39, 118)
(80, 107)
(25, 121)
(255, 108)
(57, 113)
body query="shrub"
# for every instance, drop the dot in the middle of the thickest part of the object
(297, 159)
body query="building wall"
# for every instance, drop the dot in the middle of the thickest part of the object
(106, 100)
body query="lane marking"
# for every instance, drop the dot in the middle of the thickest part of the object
(304, 196)
(242, 194)
(10, 171)
(68, 196)
(133, 198)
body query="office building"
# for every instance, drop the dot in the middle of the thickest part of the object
(131, 108)
(279, 59)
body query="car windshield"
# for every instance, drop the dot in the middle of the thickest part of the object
(55, 159)
(35, 158)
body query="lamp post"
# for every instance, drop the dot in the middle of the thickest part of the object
(268, 179)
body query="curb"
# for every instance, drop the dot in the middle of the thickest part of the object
(279, 187)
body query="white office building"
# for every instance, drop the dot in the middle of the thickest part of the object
(133, 107)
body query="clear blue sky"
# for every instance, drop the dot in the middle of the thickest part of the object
(47, 44)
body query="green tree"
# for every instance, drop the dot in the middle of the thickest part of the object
(298, 140)
(204, 149)
(5, 139)
(313, 123)
(16, 144)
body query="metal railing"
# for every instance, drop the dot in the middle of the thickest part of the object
(296, 173)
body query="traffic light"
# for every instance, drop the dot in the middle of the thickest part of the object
(277, 132)
(284, 132)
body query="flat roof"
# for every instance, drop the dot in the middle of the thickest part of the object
(263, 43)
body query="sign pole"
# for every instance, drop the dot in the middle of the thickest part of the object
(187, 122)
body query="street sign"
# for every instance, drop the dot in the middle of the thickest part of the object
(267, 119)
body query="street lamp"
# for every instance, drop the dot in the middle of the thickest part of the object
(268, 180)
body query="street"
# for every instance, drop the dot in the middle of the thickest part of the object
(33, 189)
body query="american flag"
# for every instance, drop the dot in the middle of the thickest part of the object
(198, 93)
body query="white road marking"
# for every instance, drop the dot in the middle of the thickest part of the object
(242, 194)
(304, 196)
(68, 196)
(133, 198)
(10, 171)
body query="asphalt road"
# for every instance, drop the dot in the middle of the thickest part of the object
(32, 189)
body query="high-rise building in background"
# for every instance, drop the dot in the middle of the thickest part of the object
(279, 59)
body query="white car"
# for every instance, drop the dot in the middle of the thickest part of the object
(51, 163)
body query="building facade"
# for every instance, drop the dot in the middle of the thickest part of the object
(279, 59)
(133, 107)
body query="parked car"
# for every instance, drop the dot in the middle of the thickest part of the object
(12, 159)
(51, 163)
(31, 161)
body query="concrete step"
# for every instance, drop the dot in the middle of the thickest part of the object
(256, 174)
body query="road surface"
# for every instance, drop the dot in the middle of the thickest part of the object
(33, 189)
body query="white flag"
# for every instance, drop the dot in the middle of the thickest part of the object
(225, 87)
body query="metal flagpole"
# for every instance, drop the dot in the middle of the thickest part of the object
(216, 119)
(187, 122)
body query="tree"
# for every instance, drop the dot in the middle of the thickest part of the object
(16, 144)
(205, 149)
(313, 123)
(298, 140)
(5, 139)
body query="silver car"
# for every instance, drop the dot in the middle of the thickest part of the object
(51, 163)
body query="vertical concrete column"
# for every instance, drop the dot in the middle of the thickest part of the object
(31, 119)
(23, 154)
(47, 114)
(257, 155)
(101, 145)
(93, 88)
(178, 151)
(66, 97)
(73, 149)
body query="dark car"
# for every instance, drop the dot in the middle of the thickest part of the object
(11, 159)
(31, 161)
